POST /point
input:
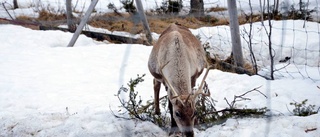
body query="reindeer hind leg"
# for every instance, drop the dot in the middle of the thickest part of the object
(156, 88)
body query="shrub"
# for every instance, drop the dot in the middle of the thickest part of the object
(207, 115)
(301, 109)
(128, 5)
(136, 109)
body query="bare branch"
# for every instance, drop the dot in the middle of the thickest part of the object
(311, 129)
(143, 108)
(228, 103)
(119, 116)
(255, 89)
(289, 110)
(4, 6)
(240, 97)
(282, 67)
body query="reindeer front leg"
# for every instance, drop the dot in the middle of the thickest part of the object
(156, 88)
(174, 127)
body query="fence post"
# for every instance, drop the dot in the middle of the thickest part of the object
(71, 26)
(15, 4)
(235, 34)
(144, 21)
(82, 23)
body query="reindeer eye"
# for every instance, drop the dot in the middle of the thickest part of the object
(195, 113)
(178, 114)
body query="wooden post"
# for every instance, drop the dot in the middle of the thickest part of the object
(196, 8)
(15, 4)
(82, 23)
(235, 34)
(70, 23)
(144, 21)
(276, 7)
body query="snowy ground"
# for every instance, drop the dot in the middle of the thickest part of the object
(47, 89)
(30, 7)
(40, 77)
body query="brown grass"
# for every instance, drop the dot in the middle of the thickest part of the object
(45, 18)
(157, 23)
(49, 16)
(217, 9)
(246, 19)
(23, 17)
(125, 21)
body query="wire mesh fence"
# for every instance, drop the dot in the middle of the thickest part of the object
(295, 41)
(292, 24)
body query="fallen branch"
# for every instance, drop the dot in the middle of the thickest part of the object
(311, 129)
(231, 105)
(102, 36)
(241, 112)
(206, 116)
(18, 22)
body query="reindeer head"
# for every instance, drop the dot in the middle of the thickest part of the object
(184, 113)
(183, 106)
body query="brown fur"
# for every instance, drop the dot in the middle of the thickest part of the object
(177, 58)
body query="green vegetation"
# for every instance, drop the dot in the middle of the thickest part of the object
(207, 114)
(302, 109)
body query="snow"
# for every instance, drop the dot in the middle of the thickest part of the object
(48, 89)
(38, 83)
(30, 7)
(295, 41)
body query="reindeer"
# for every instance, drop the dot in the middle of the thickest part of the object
(177, 60)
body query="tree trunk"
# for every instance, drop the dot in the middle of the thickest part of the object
(82, 23)
(144, 21)
(15, 4)
(276, 7)
(235, 33)
(71, 25)
(197, 8)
